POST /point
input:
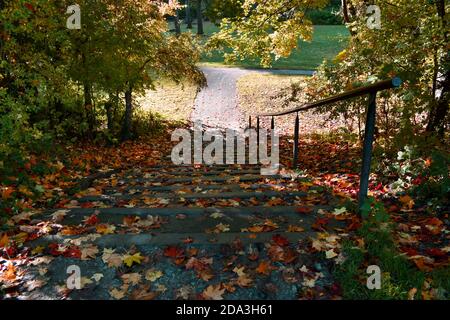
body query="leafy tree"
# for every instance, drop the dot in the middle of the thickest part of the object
(265, 30)
(220, 9)
(412, 43)
(139, 51)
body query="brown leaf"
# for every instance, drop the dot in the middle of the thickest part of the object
(213, 292)
(143, 293)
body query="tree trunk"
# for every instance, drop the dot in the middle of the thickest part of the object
(88, 108)
(199, 18)
(177, 23)
(188, 15)
(438, 118)
(109, 114)
(126, 128)
(347, 13)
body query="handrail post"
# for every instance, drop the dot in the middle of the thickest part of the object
(367, 149)
(272, 124)
(296, 136)
(250, 122)
(257, 137)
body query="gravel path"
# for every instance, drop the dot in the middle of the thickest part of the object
(216, 105)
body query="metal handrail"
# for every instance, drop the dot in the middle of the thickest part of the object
(372, 91)
(378, 86)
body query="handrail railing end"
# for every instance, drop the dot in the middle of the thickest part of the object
(397, 82)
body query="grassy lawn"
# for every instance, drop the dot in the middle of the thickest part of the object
(262, 93)
(327, 42)
(172, 101)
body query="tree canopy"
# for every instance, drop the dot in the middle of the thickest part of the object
(412, 43)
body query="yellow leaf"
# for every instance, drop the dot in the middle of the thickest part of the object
(130, 259)
(37, 250)
(21, 237)
(23, 189)
(153, 275)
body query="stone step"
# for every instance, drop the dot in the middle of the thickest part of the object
(221, 195)
(194, 180)
(194, 215)
(163, 173)
(198, 188)
(146, 239)
(191, 211)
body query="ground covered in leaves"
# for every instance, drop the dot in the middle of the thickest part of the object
(140, 228)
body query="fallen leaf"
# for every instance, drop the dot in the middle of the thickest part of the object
(111, 258)
(264, 268)
(59, 215)
(239, 271)
(143, 293)
(131, 278)
(213, 292)
(88, 252)
(118, 294)
(330, 254)
(97, 277)
(292, 228)
(4, 240)
(153, 275)
(129, 260)
(34, 284)
(105, 228)
(280, 240)
(407, 202)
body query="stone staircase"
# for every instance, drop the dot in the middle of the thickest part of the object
(227, 212)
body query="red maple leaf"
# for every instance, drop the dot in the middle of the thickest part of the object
(280, 240)
(436, 252)
(87, 205)
(303, 210)
(92, 220)
(72, 252)
(320, 224)
(173, 252)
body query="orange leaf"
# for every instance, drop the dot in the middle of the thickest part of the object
(264, 268)
(407, 202)
(6, 192)
(4, 240)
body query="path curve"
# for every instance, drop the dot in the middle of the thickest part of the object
(216, 105)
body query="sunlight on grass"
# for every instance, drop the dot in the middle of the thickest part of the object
(327, 42)
(172, 101)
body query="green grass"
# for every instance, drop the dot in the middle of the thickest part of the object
(399, 275)
(327, 42)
